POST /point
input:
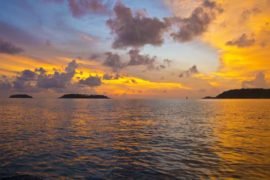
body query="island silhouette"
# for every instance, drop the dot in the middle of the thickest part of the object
(83, 96)
(20, 96)
(243, 94)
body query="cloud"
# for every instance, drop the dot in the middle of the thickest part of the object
(25, 80)
(189, 72)
(54, 1)
(5, 84)
(242, 41)
(113, 61)
(91, 81)
(167, 62)
(17, 35)
(9, 48)
(110, 76)
(247, 13)
(197, 23)
(136, 59)
(81, 8)
(39, 80)
(58, 79)
(258, 82)
(135, 30)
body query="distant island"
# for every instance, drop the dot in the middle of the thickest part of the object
(83, 96)
(243, 94)
(20, 96)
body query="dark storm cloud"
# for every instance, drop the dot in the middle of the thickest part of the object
(189, 72)
(197, 23)
(91, 81)
(135, 30)
(258, 82)
(81, 8)
(242, 41)
(9, 48)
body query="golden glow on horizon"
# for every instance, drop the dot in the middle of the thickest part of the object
(124, 85)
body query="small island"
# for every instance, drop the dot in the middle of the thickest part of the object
(83, 96)
(243, 94)
(20, 96)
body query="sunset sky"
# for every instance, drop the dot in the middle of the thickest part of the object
(134, 48)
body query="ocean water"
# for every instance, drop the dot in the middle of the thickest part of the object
(135, 139)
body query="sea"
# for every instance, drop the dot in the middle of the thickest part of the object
(134, 139)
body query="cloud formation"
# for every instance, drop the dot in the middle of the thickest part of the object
(110, 76)
(81, 8)
(5, 84)
(113, 61)
(91, 81)
(135, 30)
(197, 23)
(247, 13)
(242, 41)
(25, 80)
(58, 79)
(188, 73)
(258, 82)
(9, 48)
(33, 81)
(136, 59)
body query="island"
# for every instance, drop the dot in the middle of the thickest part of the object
(20, 96)
(243, 94)
(83, 96)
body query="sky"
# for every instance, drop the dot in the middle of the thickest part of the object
(133, 48)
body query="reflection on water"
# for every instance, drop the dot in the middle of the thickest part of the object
(115, 139)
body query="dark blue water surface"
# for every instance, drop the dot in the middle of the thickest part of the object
(135, 139)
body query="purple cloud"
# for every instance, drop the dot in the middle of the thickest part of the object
(189, 72)
(197, 23)
(91, 81)
(81, 8)
(9, 48)
(243, 41)
(135, 30)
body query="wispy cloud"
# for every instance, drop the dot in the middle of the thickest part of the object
(9, 48)
(188, 73)
(243, 41)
